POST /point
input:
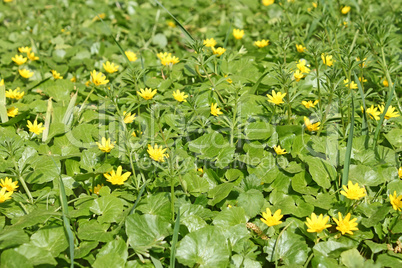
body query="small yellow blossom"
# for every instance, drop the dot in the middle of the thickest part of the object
(179, 96)
(24, 49)
(363, 64)
(373, 112)
(385, 82)
(238, 34)
(19, 59)
(110, 67)
(271, 220)
(346, 226)
(25, 73)
(56, 75)
(400, 172)
(98, 78)
(9, 184)
(171, 24)
(147, 93)
(391, 112)
(353, 191)
(261, 43)
(209, 42)
(15, 94)
(276, 98)
(100, 15)
(309, 104)
(128, 118)
(298, 75)
(351, 85)
(396, 201)
(131, 56)
(35, 127)
(12, 112)
(317, 224)
(73, 79)
(105, 146)
(218, 51)
(31, 56)
(97, 189)
(345, 23)
(157, 153)
(302, 66)
(279, 150)
(315, 5)
(167, 58)
(345, 10)
(116, 178)
(311, 127)
(267, 2)
(88, 83)
(4, 196)
(300, 48)
(215, 111)
(362, 80)
(327, 60)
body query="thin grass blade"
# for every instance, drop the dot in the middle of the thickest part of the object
(348, 153)
(3, 109)
(49, 111)
(174, 240)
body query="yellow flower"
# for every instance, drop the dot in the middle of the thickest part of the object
(390, 112)
(56, 75)
(73, 79)
(345, 23)
(372, 112)
(88, 83)
(4, 196)
(12, 112)
(327, 59)
(97, 189)
(215, 111)
(171, 24)
(147, 93)
(1, 82)
(98, 78)
(19, 59)
(24, 49)
(400, 172)
(209, 42)
(131, 56)
(353, 192)
(157, 153)
(105, 146)
(110, 67)
(25, 73)
(385, 82)
(362, 80)
(16, 94)
(9, 184)
(396, 201)
(218, 51)
(271, 220)
(298, 75)
(311, 127)
(238, 34)
(179, 96)
(302, 66)
(279, 150)
(309, 104)
(262, 43)
(167, 58)
(317, 224)
(35, 127)
(300, 48)
(276, 98)
(128, 119)
(346, 225)
(351, 85)
(345, 10)
(315, 5)
(267, 2)
(363, 64)
(32, 56)
(116, 178)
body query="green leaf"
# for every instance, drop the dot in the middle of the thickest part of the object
(36, 255)
(321, 171)
(51, 238)
(220, 192)
(332, 248)
(258, 131)
(374, 247)
(84, 248)
(12, 259)
(206, 247)
(109, 207)
(94, 231)
(12, 238)
(230, 217)
(113, 254)
(324, 262)
(386, 260)
(395, 138)
(156, 204)
(352, 259)
(112, 259)
(44, 170)
(365, 176)
(300, 183)
(88, 160)
(252, 202)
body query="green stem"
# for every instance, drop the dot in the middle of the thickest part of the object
(172, 197)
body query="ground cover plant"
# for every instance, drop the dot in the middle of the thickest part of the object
(200, 133)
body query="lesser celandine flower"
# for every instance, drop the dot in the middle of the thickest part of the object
(261, 43)
(400, 172)
(98, 78)
(300, 48)
(147, 93)
(391, 112)
(351, 85)
(238, 34)
(25, 73)
(362, 80)
(9, 184)
(167, 58)
(105, 146)
(215, 111)
(73, 79)
(218, 51)
(345, 225)
(209, 42)
(271, 220)
(131, 56)
(385, 82)
(396, 201)
(19, 59)
(116, 178)
(157, 153)
(373, 112)
(309, 104)
(171, 24)
(31, 56)
(97, 189)
(110, 67)
(24, 49)
(363, 64)
(353, 191)
(345, 10)
(15, 94)
(267, 2)
(128, 118)
(279, 150)
(4, 196)
(298, 75)
(276, 98)
(35, 127)
(317, 224)
(56, 75)
(327, 60)
(311, 127)
(302, 66)
(12, 112)
(179, 96)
